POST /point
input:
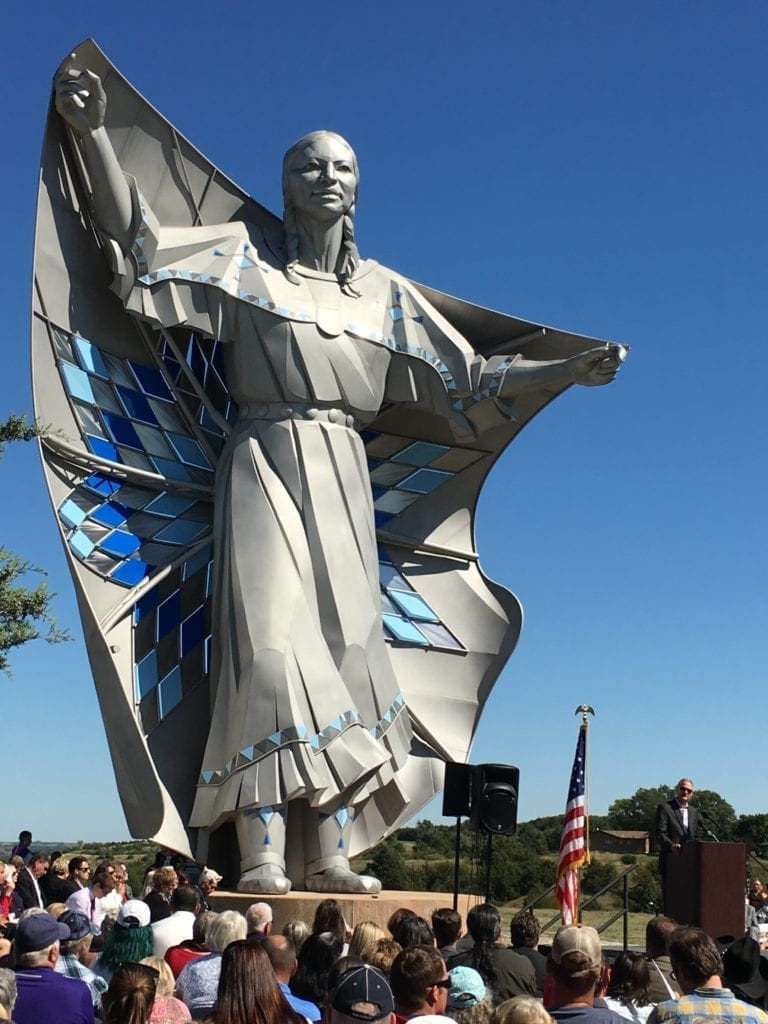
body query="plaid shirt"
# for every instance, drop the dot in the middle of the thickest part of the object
(71, 966)
(708, 1002)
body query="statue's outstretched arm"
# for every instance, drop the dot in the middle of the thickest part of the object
(591, 368)
(82, 102)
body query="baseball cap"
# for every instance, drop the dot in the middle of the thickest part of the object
(133, 914)
(577, 938)
(78, 924)
(38, 931)
(467, 988)
(363, 984)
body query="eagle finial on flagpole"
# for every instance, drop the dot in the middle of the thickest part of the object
(584, 710)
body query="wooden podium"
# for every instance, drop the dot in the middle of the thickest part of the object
(705, 887)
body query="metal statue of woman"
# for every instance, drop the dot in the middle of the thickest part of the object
(312, 729)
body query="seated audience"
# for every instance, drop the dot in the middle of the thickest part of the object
(698, 969)
(10, 901)
(199, 979)
(414, 931)
(73, 959)
(316, 958)
(8, 993)
(248, 992)
(364, 938)
(28, 881)
(384, 954)
(130, 995)
(329, 918)
(166, 1009)
(446, 927)
(56, 885)
(505, 972)
(396, 917)
(44, 995)
(575, 967)
(170, 931)
(129, 940)
(746, 971)
(89, 900)
(361, 993)
(190, 949)
(258, 918)
(524, 934)
(468, 999)
(629, 986)
(521, 1010)
(658, 932)
(207, 883)
(164, 881)
(297, 932)
(282, 956)
(420, 984)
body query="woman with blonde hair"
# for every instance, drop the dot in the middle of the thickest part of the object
(297, 932)
(199, 980)
(166, 1009)
(384, 954)
(521, 1010)
(364, 939)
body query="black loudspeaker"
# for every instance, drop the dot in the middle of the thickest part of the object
(457, 792)
(494, 808)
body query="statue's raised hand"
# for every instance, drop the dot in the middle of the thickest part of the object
(80, 97)
(597, 365)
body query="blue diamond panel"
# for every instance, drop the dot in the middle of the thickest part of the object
(127, 412)
(171, 638)
(140, 530)
(407, 617)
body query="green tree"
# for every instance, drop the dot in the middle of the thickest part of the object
(754, 825)
(638, 812)
(387, 863)
(644, 894)
(597, 874)
(719, 816)
(24, 610)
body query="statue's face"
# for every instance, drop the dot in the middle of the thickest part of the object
(322, 180)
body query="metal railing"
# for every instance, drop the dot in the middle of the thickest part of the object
(622, 912)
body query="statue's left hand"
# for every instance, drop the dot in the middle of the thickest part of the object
(597, 365)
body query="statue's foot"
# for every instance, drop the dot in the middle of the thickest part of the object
(339, 879)
(266, 879)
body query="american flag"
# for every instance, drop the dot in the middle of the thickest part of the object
(573, 845)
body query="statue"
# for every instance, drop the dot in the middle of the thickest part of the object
(340, 639)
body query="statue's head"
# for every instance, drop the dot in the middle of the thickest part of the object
(320, 182)
(321, 176)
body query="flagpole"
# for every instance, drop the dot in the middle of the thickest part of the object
(574, 848)
(585, 710)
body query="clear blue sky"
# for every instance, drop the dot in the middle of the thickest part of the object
(600, 166)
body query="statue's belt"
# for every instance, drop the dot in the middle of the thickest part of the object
(294, 411)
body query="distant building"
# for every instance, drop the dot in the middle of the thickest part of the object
(603, 840)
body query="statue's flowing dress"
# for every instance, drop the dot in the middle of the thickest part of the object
(305, 700)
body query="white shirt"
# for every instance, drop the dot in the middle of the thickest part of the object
(171, 931)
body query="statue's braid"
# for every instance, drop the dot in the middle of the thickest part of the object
(291, 243)
(349, 257)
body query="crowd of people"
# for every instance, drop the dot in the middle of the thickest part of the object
(78, 945)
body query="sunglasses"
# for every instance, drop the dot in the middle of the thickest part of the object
(446, 983)
(685, 789)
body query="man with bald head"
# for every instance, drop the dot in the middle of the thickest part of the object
(676, 824)
(282, 956)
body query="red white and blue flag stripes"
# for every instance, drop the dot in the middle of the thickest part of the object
(573, 841)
